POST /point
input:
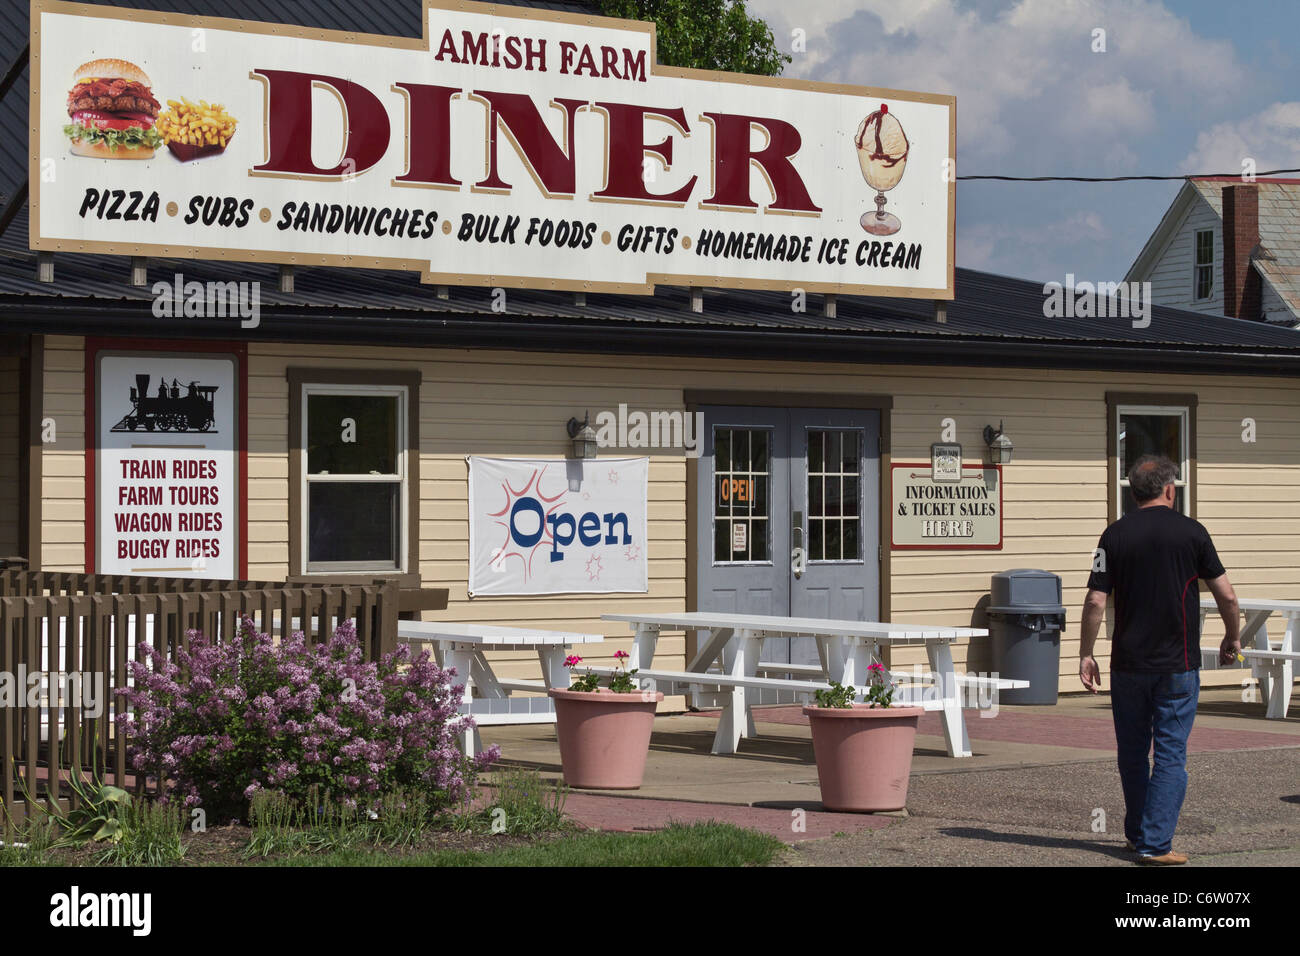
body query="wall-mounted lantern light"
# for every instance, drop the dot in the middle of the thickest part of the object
(584, 437)
(999, 444)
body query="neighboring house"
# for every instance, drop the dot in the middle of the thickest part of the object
(1253, 228)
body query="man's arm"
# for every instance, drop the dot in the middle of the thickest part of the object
(1226, 598)
(1094, 608)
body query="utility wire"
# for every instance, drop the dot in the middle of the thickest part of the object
(1121, 179)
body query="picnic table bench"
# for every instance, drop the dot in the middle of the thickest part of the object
(845, 648)
(1272, 663)
(487, 697)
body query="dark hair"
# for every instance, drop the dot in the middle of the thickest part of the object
(1149, 476)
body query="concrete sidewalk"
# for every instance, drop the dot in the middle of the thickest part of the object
(1040, 780)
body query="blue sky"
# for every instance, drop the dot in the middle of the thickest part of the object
(1184, 86)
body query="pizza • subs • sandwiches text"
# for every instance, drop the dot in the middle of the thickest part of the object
(113, 111)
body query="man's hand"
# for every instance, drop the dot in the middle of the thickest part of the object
(1228, 651)
(1090, 673)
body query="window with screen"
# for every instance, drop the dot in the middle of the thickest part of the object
(354, 477)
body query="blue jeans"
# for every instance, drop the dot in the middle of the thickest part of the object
(1151, 708)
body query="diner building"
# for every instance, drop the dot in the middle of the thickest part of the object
(756, 449)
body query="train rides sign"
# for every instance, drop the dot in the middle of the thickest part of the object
(507, 147)
(167, 468)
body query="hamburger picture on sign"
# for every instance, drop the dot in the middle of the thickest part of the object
(115, 115)
(112, 111)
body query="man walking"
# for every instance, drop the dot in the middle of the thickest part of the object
(1151, 559)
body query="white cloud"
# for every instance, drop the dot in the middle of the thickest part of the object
(1271, 137)
(1030, 90)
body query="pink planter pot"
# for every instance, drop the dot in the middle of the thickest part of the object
(864, 755)
(604, 737)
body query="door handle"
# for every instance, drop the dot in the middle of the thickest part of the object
(798, 557)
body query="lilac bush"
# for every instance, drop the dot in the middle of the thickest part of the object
(228, 719)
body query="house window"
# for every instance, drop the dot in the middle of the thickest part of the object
(1204, 272)
(354, 484)
(1152, 429)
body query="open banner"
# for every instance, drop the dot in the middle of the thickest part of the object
(539, 526)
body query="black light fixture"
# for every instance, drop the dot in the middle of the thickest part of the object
(999, 444)
(584, 437)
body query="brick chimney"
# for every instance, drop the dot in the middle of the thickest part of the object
(1242, 294)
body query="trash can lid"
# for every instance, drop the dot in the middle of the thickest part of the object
(1029, 610)
(1025, 587)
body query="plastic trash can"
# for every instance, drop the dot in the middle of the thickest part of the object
(1026, 617)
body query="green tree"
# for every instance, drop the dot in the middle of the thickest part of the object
(706, 34)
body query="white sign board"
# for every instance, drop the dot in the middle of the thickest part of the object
(506, 147)
(167, 470)
(960, 515)
(557, 527)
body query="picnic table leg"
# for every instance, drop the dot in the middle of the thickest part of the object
(731, 726)
(1281, 674)
(463, 660)
(554, 674)
(1261, 671)
(644, 642)
(945, 676)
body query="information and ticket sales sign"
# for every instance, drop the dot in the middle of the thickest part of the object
(964, 514)
(505, 147)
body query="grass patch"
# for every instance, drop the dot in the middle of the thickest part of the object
(523, 804)
(695, 844)
(151, 836)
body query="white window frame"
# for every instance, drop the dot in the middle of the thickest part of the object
(1184, 415)
(401, 393)
(1197, 265)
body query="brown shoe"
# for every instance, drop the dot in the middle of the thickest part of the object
(1165, 859)
(1129, 847)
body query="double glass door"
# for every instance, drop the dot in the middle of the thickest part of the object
(788, 517)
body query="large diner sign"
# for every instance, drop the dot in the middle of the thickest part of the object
(927, 513)
(167, 471)
(506, 147)
(541, 526)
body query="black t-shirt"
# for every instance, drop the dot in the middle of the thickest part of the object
(1153, 557)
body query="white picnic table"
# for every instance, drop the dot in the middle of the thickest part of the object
(487, 698)
(1271, 662)
(845, 648)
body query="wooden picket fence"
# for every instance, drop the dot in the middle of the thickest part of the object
(93, 625)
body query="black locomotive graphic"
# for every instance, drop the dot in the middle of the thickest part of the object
(171, 408)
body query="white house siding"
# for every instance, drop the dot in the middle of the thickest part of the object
(487, 402)
(1171, 276)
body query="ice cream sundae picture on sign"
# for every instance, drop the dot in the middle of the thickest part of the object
(882, 153)
(541, 526)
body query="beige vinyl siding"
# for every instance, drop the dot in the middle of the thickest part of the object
(63, 461)
(484, 402)
(10, 453)
(1171, 275)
